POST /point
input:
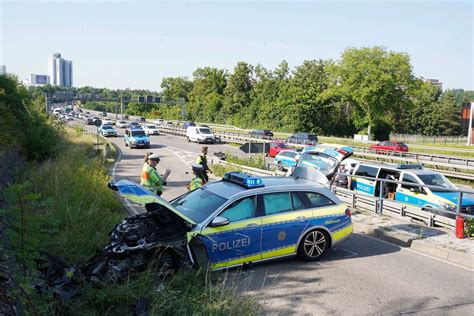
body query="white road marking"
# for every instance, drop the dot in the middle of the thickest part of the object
(174, 153)
(352, 254)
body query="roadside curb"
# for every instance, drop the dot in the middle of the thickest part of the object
(129, 209)
(417, 244)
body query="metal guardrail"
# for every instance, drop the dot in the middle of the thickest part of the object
(378, 205)
(456, 164)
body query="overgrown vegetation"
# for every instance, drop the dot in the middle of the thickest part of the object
(23, 122)
(61, 204)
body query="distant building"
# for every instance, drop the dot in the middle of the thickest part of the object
(3, 69)
(467, 121)
(60, 71)
(39, 80)
(435, 82)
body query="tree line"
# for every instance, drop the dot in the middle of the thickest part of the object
(369, 89)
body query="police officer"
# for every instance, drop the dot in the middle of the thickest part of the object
(202, 160)
(196, 182)
(150, 177)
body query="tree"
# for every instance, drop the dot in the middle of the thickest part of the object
(309, 107)
(206, 97)
(175, 88)
(450, 116)
(375, 81)
(424, 116)
(237, 93)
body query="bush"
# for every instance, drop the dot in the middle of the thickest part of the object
(24, 123)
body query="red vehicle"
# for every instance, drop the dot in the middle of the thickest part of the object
(275, 148)
(390, 146)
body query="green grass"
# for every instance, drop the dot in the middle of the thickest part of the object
(70, 212)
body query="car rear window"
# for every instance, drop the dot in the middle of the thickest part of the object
(198, 204)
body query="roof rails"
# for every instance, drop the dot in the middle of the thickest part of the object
(409, 166)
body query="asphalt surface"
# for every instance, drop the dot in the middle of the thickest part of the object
(360, 276)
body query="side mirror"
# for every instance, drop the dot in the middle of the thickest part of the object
(220, 221)
(415, 189)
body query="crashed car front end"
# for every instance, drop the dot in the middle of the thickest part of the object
(155, 236)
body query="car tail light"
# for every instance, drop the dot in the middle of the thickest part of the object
(342, 151)
(348, 212)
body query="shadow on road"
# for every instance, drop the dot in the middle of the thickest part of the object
(417, 230)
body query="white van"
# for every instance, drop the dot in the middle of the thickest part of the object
(200, 134)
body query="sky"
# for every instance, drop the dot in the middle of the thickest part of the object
(134, 44)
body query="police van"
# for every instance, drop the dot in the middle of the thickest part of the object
(431, 199)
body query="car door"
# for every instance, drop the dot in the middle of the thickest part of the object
(286, 217)
(239, 241)
(291, 160)
(404, 194)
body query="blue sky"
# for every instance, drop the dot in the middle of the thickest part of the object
(119, 44)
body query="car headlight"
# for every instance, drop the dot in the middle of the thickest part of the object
(133, 141)
(448, 206)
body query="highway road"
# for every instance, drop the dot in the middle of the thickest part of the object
(360, 276)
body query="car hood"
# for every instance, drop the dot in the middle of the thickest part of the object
(141, 195)
(453, 197)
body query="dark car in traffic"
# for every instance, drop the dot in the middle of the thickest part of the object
(303, 138)
(262, 133)
(187, 124)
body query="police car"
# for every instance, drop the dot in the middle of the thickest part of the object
(435, 199)
(136, 137)
(243, 219)
(286, 158)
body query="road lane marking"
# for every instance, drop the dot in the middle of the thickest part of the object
(351, 253)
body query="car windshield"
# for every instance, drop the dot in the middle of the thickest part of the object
(198, 204)
(317, 161)
(205, 131)
(107, 127)
(138, 133)
(438, 180)
(150, 126)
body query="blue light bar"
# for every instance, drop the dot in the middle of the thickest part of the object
(243, 179)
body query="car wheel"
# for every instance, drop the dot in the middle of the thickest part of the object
(188, 139)
(280, 166)
(313, 245)
(198, 141)
(126, 145)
